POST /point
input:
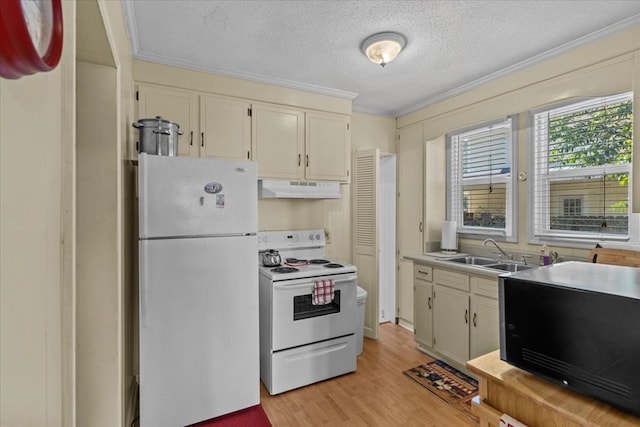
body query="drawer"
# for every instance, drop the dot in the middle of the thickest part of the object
(422, 272)
(308, 364)
(486, 287)
(451, 279)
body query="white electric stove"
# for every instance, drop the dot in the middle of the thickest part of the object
(302, 342)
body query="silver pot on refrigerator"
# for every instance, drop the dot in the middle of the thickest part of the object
(158, 136)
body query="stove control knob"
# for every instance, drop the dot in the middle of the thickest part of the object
(317, 236)
(310, 236)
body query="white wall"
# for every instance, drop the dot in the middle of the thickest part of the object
(388, 191)
(105, 280)
(36, 249)
(31, 274)
(98, 305)
(41, 311)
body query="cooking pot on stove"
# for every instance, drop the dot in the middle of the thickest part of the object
(158, 136)
(271, 258)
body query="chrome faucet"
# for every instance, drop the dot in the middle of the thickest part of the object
(484, 243)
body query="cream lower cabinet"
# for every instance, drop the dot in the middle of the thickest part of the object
(423, 304)
(455, 314)
(451, 314)
(484, 328)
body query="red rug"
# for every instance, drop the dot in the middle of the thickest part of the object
(253, 417)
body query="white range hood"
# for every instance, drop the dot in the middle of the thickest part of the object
(276, 189)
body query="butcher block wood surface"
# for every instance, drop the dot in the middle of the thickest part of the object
(615, 256)
(505, 389)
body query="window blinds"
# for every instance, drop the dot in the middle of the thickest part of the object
(480, 163)
(582, 165)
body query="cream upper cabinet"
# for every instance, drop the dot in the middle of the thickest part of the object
(293, 144)
(212, 125)
(176, 105)
(327, 147)
(278, 137)
(286, 142)
(225, 127)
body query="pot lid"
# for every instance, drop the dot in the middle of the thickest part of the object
(158, 120)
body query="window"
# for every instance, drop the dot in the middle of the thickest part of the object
(581, 166)
(480, 177)
(572, 207)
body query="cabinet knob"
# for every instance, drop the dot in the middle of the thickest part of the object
(466, 316)
(202, 139)
(299, 159)
(429, 303)
(475, 317)
(307, 160)
(191, 138)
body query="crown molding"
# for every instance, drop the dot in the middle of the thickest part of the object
(581, 41)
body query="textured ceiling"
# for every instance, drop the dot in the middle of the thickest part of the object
(315, 45)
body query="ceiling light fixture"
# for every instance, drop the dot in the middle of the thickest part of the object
(383, 48)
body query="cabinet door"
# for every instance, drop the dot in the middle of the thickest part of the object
(175, 105)
(410, 183)
(451, 323)
(423, 313)
(327, 147)
(225, 127)
(485, 336)
(278, 139)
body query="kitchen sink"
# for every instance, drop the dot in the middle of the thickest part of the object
(511, 267)
(472, 260)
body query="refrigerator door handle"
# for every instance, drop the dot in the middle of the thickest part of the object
(144, 292)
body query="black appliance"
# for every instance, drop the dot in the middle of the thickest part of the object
(578, 325)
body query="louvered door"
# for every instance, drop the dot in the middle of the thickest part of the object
(365, 252)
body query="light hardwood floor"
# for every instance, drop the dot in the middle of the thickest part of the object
(377, 394)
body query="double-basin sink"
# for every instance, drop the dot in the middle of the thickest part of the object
(491, 263)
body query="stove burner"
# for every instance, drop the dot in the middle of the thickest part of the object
(333, 265)
(284, 270)
(318, 261)
(296, 261)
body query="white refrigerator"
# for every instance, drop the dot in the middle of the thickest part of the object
(198, 289)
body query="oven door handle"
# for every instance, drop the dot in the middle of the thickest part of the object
(349, 278)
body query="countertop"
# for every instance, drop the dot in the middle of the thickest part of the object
(610, 279)
(439, 259)
(534, 401)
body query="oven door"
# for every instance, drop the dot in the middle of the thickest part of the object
(296, 321)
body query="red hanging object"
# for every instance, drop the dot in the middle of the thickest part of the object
(19, 54)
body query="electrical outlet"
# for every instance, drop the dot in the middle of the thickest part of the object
(327, 235)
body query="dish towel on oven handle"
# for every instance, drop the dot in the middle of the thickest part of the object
(323, 291)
